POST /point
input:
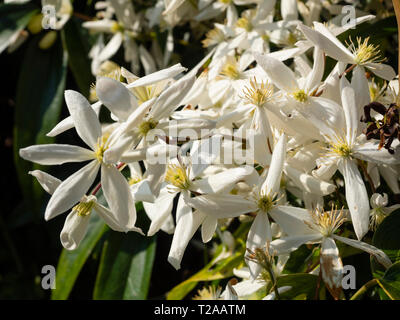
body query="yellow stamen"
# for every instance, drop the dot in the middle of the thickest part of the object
(326, 222)
(146, 126)
(177, 176)
(364, 52)
(83, 209)
(101, 147)
(258, 94)
(214, 36)
(300, 95)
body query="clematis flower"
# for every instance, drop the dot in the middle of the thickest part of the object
(76, 223)
(344, 147)
(322, 226)
(70, 191)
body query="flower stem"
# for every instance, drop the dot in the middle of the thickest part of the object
(396, 5)
(359, 294)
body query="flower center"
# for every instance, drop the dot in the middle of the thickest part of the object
(133, 180)
(146, 126)
(117, 27)
(300, 95)
(177, 176)
(101, 148)
(365, 52)
(83, 209)
(244, 23)
(230, 70)
(342, 149)
(326, 222)
(258, 94)
(265, 203)
(214, 36)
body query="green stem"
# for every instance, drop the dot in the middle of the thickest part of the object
(360, 293)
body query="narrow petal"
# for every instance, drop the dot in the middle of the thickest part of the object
(273, 181)
(74, 230)
(208, 228)
(292, 220)
(280, 75)
(259, 235)
(117, 193)
(71, 190)
(327, 43)
(377, 253)
(85, 119)
(186, 226)
(356, 196)
(223, 181)
(160, 210)
(47, 181)
(222, 205)
(331, 267)
(116, 97)
(290, 244)
(384, 71)
(55, 154)
(112, 47)
(158, 76)
(350, 110)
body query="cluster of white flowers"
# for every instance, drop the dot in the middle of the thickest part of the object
(261, 90)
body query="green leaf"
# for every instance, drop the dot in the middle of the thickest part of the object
(216, 269)
(75, 41)
(387, 238)
(303, 286)
(125, 267)
(71, 262)
(390, 282)
(13, 18)
(40, 96)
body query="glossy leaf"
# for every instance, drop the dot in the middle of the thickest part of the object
(40, 96)
(125, 267)
(75, 42)
(13, 18)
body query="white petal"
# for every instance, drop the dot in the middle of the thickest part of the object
(47, 181)
(116, 97)
(171, 98)
(74, 230)
(186, 226)
(208, 228)
(160, 210)
(331, 266)
(54, 154)
(112, 47)
(117, 193)
(377, 253)
(356, 196)
(85, 119)
(280, 75)
(369, 151)
(222, 205)
(384, 71)
(273, 180)
(221, 181)
(350, 110)
(291, 220)
(71, 190)
(309, 183)
(158, 76)
(259, 235)
(68, 123)
(327, 43)
(289, 244)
